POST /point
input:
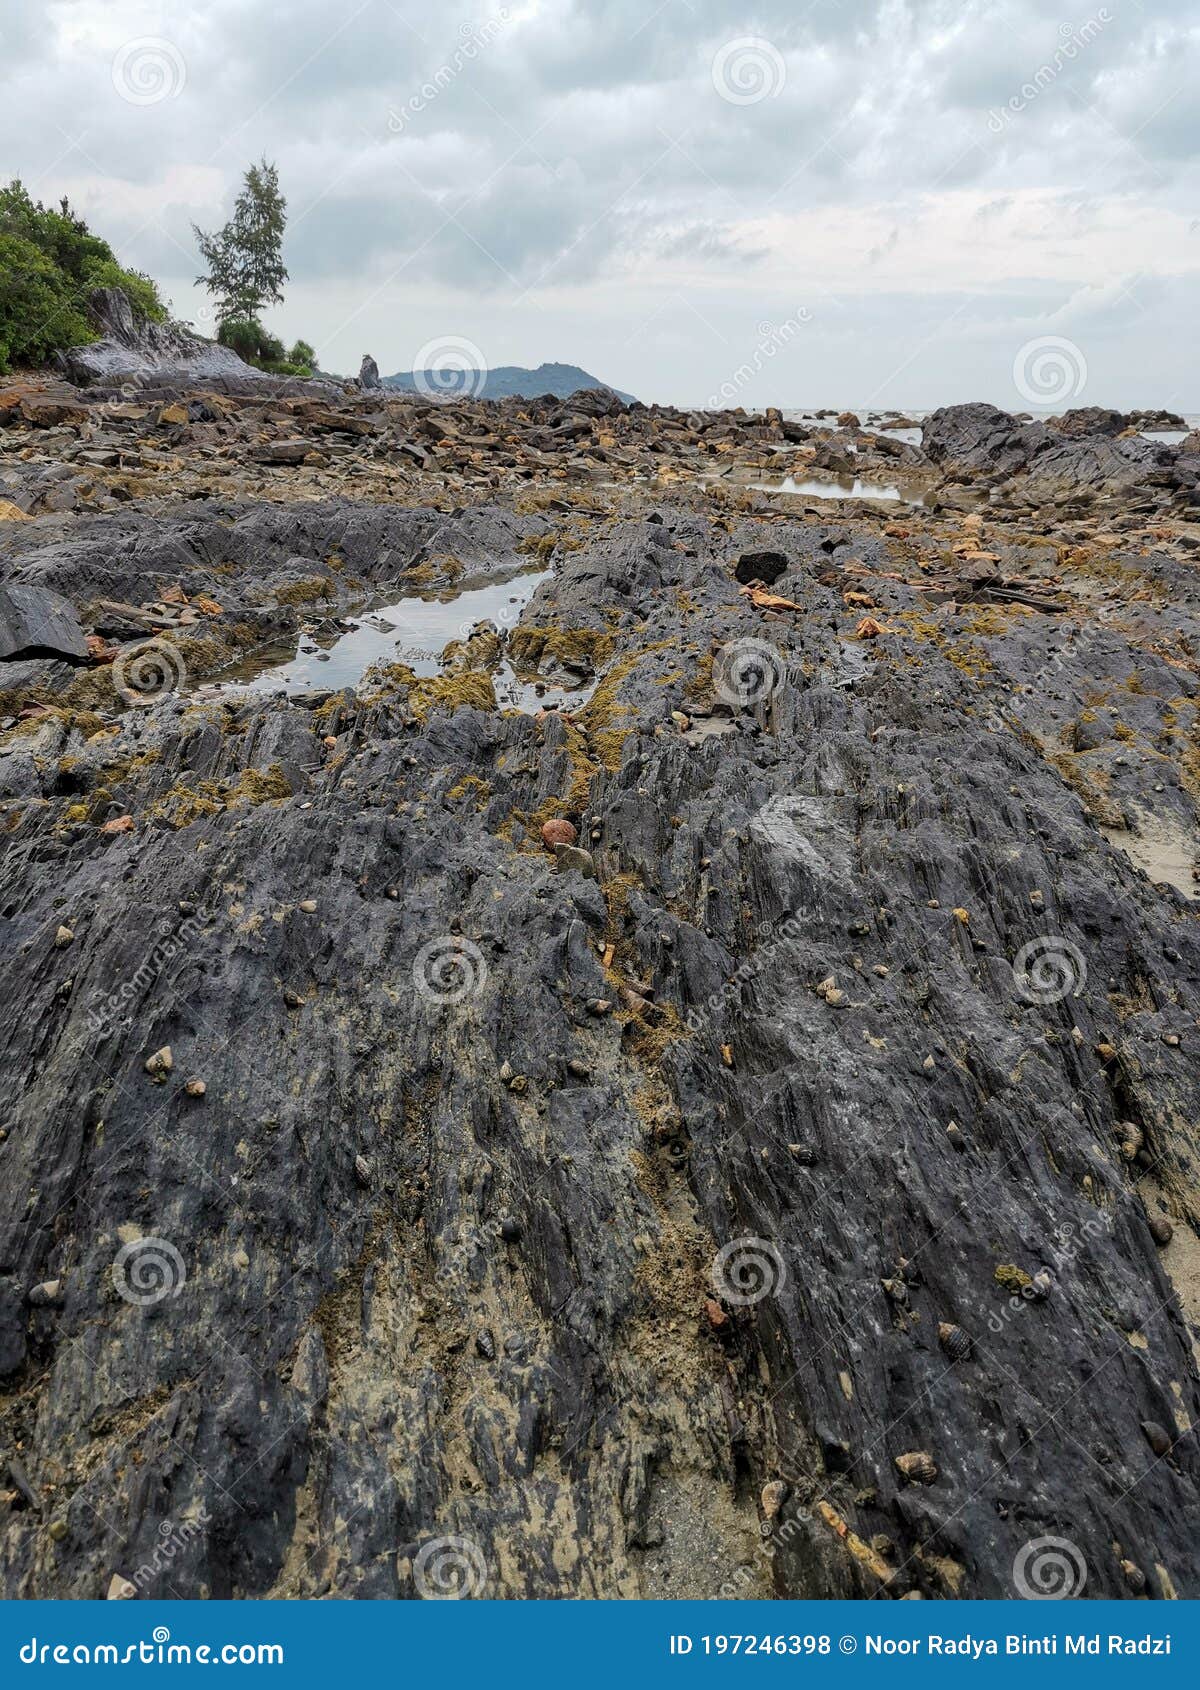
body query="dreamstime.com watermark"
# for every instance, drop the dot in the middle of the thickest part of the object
(1049, 1569)
(770, 935)
(747, 70)
(109, 1013)
(747, 1270)
(746, 672)
(149, 672)
(450, 367)
(148, 1270)
(449, 1569)
(173, 1537)
(449, 968)
(1049, 370)
(773, 338)
(1073, 41)
(157, 1651)
(149, 70)
(1070, 1243)
(473, 38)
(1049, 969)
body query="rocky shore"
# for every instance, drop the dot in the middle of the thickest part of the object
(724, 1124)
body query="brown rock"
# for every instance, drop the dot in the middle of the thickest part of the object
(1161, 1230)
(774, 1495)
(558, 831)
(44, 412)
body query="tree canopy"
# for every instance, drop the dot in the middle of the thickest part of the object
(246, 271)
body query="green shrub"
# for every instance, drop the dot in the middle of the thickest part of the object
(49, 262)
(39, 309)
(140, 290)
(242, 336)
(265, 351)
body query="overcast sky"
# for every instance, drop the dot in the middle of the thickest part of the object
(905, 203)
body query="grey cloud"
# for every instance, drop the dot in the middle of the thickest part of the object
(586, 144)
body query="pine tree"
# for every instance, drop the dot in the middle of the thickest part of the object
(246, 271)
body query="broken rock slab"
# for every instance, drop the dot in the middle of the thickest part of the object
(34, 622)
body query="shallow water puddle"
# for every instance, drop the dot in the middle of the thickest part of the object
(413, 630)
(840, 488)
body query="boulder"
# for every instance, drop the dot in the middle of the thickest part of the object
(280, 452)
(1086, 420)
(760, 566)
(34, 622)
(49, 410)
(368, 375)
(979, 436)
(132, 346)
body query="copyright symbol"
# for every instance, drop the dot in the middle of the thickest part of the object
(847, 1645)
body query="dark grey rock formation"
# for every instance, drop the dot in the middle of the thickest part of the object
(979, 437)
(1033, 465)
(1089, 420)
(37, 623)
(368, 375)
(133, 348)
(613, 1227)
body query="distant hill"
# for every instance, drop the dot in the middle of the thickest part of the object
(510, 381)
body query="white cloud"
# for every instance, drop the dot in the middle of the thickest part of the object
(575, 173)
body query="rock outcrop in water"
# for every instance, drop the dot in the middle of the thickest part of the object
(786, 1186)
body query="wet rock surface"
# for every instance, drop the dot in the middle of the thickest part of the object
(734, 1136)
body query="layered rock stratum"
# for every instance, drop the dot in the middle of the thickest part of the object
(786, 1185)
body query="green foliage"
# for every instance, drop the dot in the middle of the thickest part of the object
(246, 271)
(139, 289)
(257, 346)
(49, 263)
(242, 336)
(39, 310)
